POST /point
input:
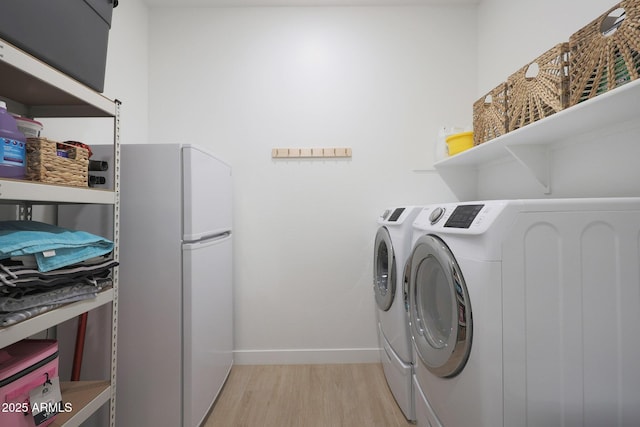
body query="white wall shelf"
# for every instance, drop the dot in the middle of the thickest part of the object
(532, 147)
(34, 89)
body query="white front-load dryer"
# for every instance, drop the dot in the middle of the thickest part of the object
(391, 250)
(525, 313)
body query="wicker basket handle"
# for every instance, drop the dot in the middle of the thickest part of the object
(612, 21)
(72, 150)
(532, 72)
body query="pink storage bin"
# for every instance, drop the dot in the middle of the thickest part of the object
(24, 366)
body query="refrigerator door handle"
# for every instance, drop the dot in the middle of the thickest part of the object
(204, 242)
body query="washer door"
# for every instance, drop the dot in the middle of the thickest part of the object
(384, 270)
(439, 308)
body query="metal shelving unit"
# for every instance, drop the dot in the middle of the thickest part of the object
(34, 89)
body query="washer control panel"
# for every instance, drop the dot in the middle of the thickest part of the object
(471, 218)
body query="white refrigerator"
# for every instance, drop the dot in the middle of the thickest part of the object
(175, 309)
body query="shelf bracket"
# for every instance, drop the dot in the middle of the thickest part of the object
(462, 180)
(535, 159)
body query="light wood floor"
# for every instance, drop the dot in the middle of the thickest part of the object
(306, 396)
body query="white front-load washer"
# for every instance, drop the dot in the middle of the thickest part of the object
(525, 313)
(391, 250)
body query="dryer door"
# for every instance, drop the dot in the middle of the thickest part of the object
(439, 308)
(384, 270)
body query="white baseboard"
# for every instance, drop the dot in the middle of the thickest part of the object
(306, 356)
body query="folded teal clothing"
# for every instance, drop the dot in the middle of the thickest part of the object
(53, 246)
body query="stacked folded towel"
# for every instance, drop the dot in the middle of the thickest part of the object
(53, 247)
(43, 266)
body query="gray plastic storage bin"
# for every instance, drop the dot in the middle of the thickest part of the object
(70, 35)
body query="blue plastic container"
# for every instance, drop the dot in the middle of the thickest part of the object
(12, 146)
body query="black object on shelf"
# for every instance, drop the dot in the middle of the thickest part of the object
(98, 165)
(96, 180)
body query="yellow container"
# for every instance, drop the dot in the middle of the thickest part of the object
(459, 142)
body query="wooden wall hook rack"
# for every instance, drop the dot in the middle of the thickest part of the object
(285, 153)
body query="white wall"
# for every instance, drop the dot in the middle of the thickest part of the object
(512, 33)
(241, 81)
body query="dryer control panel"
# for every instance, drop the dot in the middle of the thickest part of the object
(463, 216)
(395, 215)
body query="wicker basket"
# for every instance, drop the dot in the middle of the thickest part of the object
(45, 165)
(490, 115)
(539, 89)
(600, 61)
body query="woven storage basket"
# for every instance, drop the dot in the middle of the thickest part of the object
(44, 164)
(601, 62)
(542, 94)
(490, 115)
